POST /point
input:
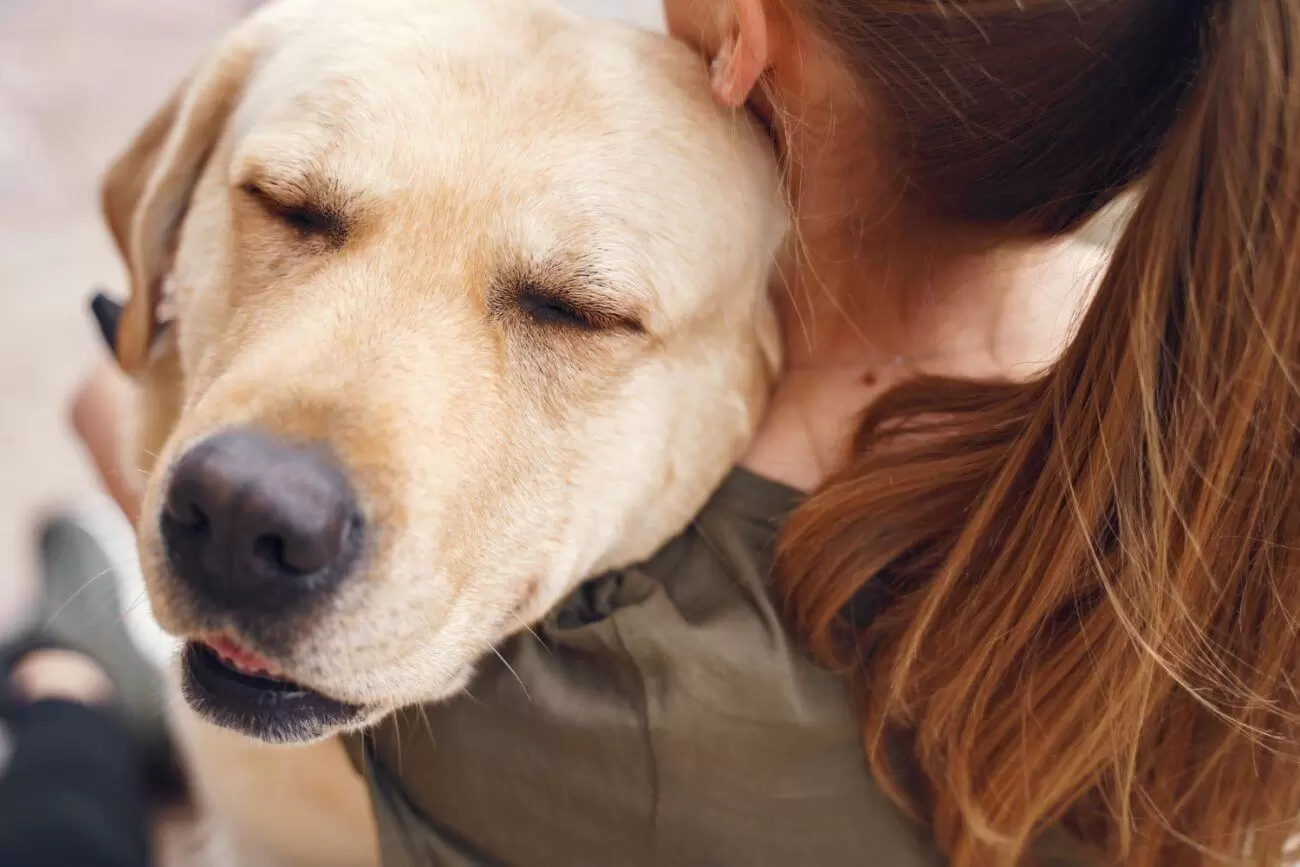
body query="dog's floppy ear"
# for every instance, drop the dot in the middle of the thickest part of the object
(147, 190)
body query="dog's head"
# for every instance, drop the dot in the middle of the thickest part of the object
(467, 304)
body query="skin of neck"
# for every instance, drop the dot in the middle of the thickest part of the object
(869, 276)
(870, 283)
(876, 293)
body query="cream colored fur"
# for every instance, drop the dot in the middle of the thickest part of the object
(469, 146)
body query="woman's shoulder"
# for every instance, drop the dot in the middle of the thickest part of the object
(666, 712)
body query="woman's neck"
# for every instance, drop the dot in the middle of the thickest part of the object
(865, 311)
(862, 296)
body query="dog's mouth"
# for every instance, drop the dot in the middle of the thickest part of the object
(236, 688)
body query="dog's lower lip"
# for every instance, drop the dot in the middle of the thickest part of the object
(263, 707)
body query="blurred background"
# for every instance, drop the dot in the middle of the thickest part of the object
(77, 79)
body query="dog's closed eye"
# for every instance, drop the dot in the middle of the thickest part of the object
(545, 305)
(306, 218)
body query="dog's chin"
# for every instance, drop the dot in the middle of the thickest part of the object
(275, 711)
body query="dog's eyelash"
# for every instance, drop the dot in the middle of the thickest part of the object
(304, 219)
(548, 308)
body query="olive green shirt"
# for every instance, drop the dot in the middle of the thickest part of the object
(660, 716)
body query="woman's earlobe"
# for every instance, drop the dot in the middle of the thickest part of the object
(743, 56)
(720, 70)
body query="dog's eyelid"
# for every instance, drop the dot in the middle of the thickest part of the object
(291, 204)
(278, 196)
(576, 308)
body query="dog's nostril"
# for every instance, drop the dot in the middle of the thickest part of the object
(187, 514)
(271, 552)
(353, 529)
(284, 555)
(255, 523)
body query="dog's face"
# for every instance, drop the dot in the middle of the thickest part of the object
(468, 304)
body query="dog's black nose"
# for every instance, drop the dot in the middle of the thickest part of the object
(252, 523)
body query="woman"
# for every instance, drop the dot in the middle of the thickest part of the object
(1091, 576)
(1053, 563)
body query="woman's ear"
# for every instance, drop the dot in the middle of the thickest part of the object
(744, 54)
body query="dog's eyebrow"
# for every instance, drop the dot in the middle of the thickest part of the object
(298, 189)
(291, 177)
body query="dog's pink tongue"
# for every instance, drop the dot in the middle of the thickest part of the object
(241, 659)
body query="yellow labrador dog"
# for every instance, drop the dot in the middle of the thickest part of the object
(438, 307)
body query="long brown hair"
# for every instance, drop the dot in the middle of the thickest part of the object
(1078, 598)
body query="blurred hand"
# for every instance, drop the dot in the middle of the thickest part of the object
(61, 674)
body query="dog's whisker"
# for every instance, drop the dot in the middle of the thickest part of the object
(428, 724)
(511, 669)
(533, 632)
(141, 600)
(403, 713)
(91, 580)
